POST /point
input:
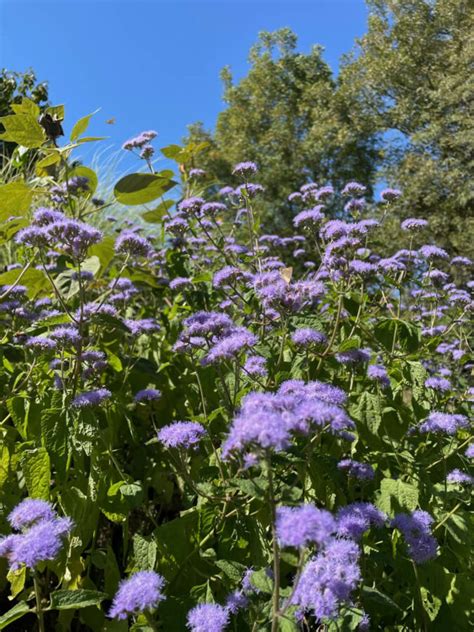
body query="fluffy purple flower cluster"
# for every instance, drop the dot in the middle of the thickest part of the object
(42, 534)
(139, 593)
(443, 422)
(300, 526)
(328, 579)
(307, 337)
(140, 141)
(208, 617)
(181, 434)
(416, 529)
(52, 228)
(355, 519)
(132, 244)
(216, 334)
(361, 471)
(268, 421)
(92, 398)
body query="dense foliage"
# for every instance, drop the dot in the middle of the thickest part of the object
(207, 427)
(400, 111)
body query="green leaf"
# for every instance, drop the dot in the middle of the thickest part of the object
(80, 126)
(141, 188)
(396, 496)
(23, 129)
(35, 280)
(233, 570)
(37, 472)
(104, 251)
(74, 599)
(17, 580)
(13, 614)
(156, 215)
(144, 552)
(27, 106)
(49, 160)
(260, 580)
(15, 199)
(56, 111)
(374, 597)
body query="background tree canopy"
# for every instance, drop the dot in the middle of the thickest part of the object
(400, 110)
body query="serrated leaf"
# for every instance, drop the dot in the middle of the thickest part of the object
(23, 129)
(74, 599)
(36, 468)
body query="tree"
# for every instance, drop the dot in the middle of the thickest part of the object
(411, 77)
(13, 87)
(287, 116)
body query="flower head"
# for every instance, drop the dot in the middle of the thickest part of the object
(181, 434)
(141, 592)
(208, 617)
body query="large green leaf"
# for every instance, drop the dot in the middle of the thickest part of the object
(156, 215)
(396, 496)
(13, 614)
(141, 188)
(34, 280)
(23, 129)
(81, 126)
(36, 468)
(74, 599)
(15, 199)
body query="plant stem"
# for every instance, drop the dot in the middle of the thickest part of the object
(39, 610)
(423, 612)
(276, 551)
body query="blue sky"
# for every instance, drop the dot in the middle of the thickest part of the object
(155, 64)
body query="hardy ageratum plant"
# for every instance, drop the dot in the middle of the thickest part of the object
(321, 474)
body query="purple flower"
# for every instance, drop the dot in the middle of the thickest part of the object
(236, 601)
(470, 451)
(244, 168)
(300, 526)
(141, 592)
(230, 345)
(191, 205)
(141, 326)
(328, 579)
(307, 337)
(456, 476)
(255, 366)
(41, 542)
(310, 217)
(147, 152)
(196, 173)
(91, 398)
(378, 373)
(180, 282)
(432, 252)
(353, 356)
(354, 188)
(438, 384)
(30, 511)
(139, 141)
(461, 261)
(147, 395)
(443, 422)
(40, 343)
(416, 529)
(413, 223)
(66, 335)
(364, 268)
(388, 195)
(129, 243)
(362, 471)
(181, 434)
(355, 519)
(208, 617)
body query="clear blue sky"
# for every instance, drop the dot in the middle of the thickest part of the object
(155, 64)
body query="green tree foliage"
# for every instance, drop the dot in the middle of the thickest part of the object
(288, 116)
(411, 76)
(13, 87)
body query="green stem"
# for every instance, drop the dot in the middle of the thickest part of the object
(39, 610)
(423, 611)
(276, 550)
